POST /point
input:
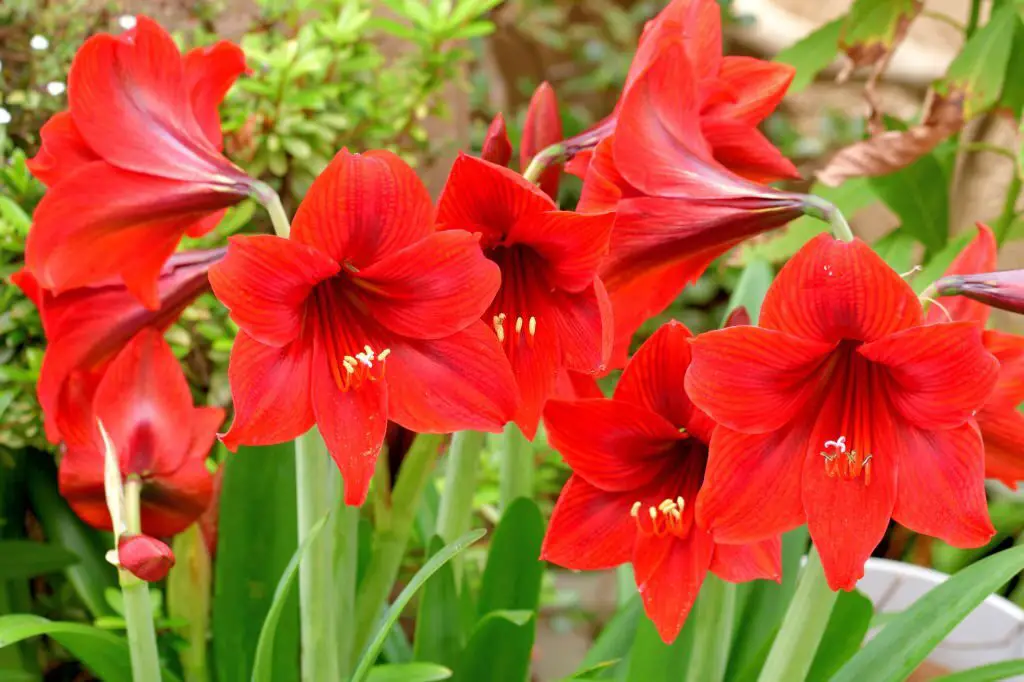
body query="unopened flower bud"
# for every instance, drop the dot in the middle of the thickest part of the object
(145, 557)
(1003, 290)
(497, 149)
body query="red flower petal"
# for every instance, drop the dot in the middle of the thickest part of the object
(590, 529)
(833, 290)
(926, 369)
(651, 379)
(209, 73)
(352, 423)
(363, 207)
(751, 488)
(603, 184)
(941, 485)
(265, 282)
(573, 385)
(745, 151)
(430, 289)
(542, 128)
(102, 222)
(758, 85)
(743, 563)
(755, 380)
(63, 151)
(460, 382)
(173, 503)
(143, 401)
(497, 149)
(669, 574)
(1009, 351)
(613, 445)
(695, 24)
(847, 518)
(979, 256)
(1002, 431)
(572, 245)
(125, 92)
(271, 392)
(489, 199)
(583, 325)
(535, 363)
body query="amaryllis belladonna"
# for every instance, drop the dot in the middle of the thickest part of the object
(843, 410)
(135, 162)
(551, 311)
(364, 314)
(638, 463)
(145, 405)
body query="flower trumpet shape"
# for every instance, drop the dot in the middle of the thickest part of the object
(364, 314)
(843, 410)
(145, 405)
(86, 327)
(638, 463)
(135, 162)
(551, 311)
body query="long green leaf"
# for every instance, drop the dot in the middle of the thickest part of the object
(27, 559)
(409, 672)
(616, 639)
(391, 617)
(750, 289)
(849, 622)
(995, 672)
(263, 665)
(92, 575)
(919, 195)
(439, 632)
(257, 494)
(980, 69)
(488, 657)
(651, 660)
(102, 652)
(906, 641)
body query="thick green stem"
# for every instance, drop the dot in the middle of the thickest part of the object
(1001, 228)
(391, 536)
(272, 202)
(318, 491)
(138, 610)
(188, 600)
(346, 571)
(456, 512)
(516, 467)
(715, 609)
(803, 626)
(823, 210)
(542, 160)
(973, 18)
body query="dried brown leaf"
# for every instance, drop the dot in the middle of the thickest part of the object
(890, 151)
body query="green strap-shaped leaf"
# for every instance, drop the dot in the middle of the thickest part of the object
(996, 672)
(979, 71)
(919, 195)
(908, 639)
(391, 617)
(105, 654)
(27, 559)
(847, 625)
(263, 665)
(812, 54)
(409, 672)
(439, 633)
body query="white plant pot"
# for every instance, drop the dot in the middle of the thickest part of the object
(993, 632)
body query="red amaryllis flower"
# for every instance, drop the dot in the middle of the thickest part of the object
(677, 208)
(145, 557)
(543, 128)
(842, 410)
(145, 405)
(1002, 426)
(134, 164)
(733, 94)
(551, 311)
(85, 328)
(365, 314)
(638, 462)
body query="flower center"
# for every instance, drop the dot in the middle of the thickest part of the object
(846, 463)
(515, 330)
(665, 519)
(349, 367)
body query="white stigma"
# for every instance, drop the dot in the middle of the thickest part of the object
(839, 444)
(39, 42)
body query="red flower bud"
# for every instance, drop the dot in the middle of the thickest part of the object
(739, 317)
(1003, 290)
(497, 149)
(543, 128)
(145, 557)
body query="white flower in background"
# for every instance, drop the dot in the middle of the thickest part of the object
(39, 42)
(126, 21)
(55, 88)
(5, 116)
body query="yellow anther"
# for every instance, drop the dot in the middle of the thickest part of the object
(533, 326)
(384, 353)
(635, 511)
(519, 325)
